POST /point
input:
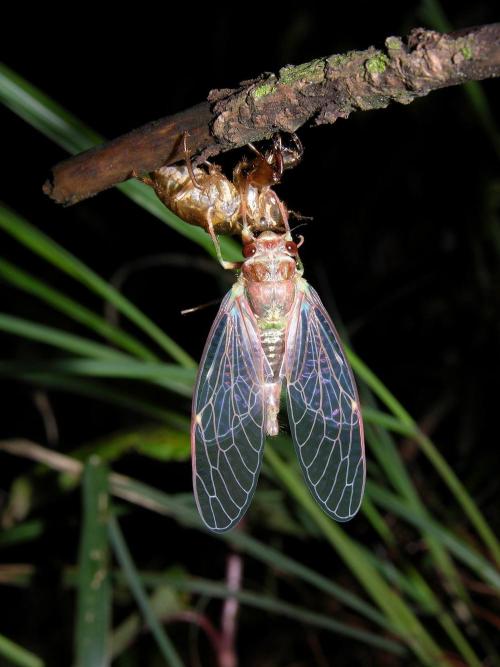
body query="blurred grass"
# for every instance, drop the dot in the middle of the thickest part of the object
(399, 604)
(129, 570)
(432, 453)
(35, 286)
(42, 245)
(93, 619)
(17, 655)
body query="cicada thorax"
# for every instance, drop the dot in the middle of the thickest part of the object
(269, 275)
(262, 210)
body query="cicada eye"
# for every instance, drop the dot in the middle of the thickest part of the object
(291, 247)
(249, 249)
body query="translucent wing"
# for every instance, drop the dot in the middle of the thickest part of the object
(323, 408)
(227, 431)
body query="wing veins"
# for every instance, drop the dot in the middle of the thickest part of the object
(324, 409)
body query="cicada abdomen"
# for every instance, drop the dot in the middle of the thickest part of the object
(200, 196)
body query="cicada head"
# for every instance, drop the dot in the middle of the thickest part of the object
(270, 257)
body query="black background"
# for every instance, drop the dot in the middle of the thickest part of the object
(401, 248)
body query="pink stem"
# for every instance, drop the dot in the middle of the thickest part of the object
(227, 653)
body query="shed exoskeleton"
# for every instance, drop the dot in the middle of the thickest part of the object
(245, 206)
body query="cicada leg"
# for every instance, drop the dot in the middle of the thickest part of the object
(147, 180)
(187, 158)
(299, 216)
(292, 157)
(241, 183)
(284, 214)
(224, 263)
(246, 233)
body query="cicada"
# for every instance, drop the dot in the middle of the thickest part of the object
(272, 333)
(205, 197)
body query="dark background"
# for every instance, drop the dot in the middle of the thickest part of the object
(403, 248)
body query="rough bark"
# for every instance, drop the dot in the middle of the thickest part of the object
(320, 92)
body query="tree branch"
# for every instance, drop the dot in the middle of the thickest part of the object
(320, 91)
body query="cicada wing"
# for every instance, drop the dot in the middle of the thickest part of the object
(228, 419)
(323, 408)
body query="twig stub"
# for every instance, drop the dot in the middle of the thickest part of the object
(138, 152)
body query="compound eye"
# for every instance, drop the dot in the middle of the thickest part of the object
(249, 250)
(291, 247)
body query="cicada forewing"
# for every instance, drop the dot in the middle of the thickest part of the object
(323, 408)
(228, 420)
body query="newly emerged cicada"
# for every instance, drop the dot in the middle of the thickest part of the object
(272, 331)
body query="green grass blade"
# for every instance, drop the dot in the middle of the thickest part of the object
(64, 304)
(384, 449)
(386, 421)
(125, 560)
(185, 514)
(157, 501)
(17, 655)
(430, 450)
(101, 392)
(23, 532)
(174, 378)
(44, 114)
(274, 606)
(418, 590)
(93, 622)
(279, 561)
(67, 131)
(446, 620)
(164, 603)
(42, 245)
(161, 442)
(57, 338)
(395, 608)
(460, 549)
(377, 521)
(462, 496)
(432, 12)
(145, 197)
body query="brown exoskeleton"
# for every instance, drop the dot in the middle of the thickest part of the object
(247, 205)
